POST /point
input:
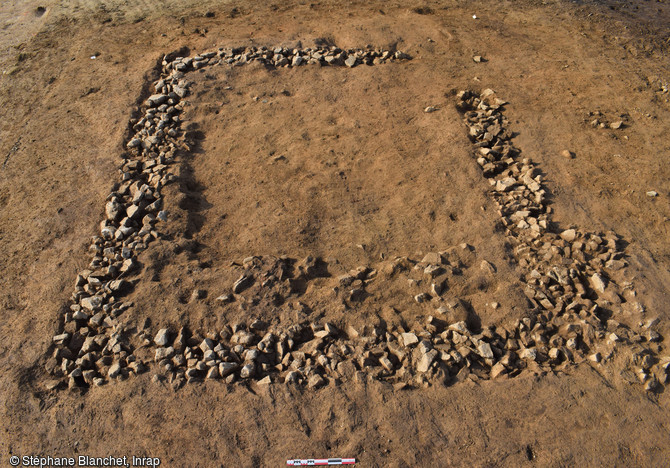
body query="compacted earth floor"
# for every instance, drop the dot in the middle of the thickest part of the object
(342, 164)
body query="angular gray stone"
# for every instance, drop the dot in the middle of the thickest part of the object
(484, 350)
(163, 353)
(487, 267)
(528, 353)
(162, 338)
(432, 258)
(597, 282)
(293, 376)
(247, 371)
(316, 381)
(569, 235)
(409, 339)
(91, 303)
(112, 209)
(114, 370)
(227, 368)
(386, 363)
(426, 361)
(350, 61)
(156, 100)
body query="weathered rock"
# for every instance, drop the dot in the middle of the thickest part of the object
(409, 339)
(597, 283)
(569, 235)
(119, 286)
(484, 350)
(487, 267)
(163, 353)
(112, 209)
(316, 381)
(162, 338)
(247, 371)
(91, 303)
(292, 377)
(528, 353)
(114, 370)
(242, 283)
(227, 368)
(497, 370)
(386, 363)
(432, 258)
(156, 100)
(426, 360)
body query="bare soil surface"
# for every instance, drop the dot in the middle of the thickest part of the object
(345, 165)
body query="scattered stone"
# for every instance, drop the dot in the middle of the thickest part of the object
(528, 353)
(227, 368)
(432, 258)
(315, 382)
(497, 370)
(569, 235)
(114, 370)
(386, 363)
(652, 194)
(598, 283)
(426, 361)
(567, 154)
(484, 350)
(92, 303)
(409, 339)
(267, 380)
(247, 371)
(487, 267)
(242, 283)
(162, 337)
(557, 271)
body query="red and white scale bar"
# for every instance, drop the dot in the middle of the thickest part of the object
(321, 461)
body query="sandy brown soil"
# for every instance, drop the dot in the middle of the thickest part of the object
(363, 165)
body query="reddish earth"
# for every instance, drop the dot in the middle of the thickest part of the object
(363, 166)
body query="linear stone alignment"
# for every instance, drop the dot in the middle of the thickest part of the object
(569, 278)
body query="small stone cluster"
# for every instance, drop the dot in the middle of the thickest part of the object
(598, 120)
(569, 278)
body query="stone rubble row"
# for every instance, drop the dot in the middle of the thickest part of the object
(288, 57)
(567, 277)
(570, 275)
(91, 345)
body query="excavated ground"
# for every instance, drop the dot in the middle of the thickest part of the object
(342, 164)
